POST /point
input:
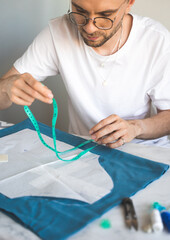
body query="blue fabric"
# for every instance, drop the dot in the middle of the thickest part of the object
(58, 218)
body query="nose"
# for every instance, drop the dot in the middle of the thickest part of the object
(90, 27)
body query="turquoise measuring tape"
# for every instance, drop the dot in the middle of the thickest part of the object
(54, 119)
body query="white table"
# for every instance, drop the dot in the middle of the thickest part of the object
(157, 191)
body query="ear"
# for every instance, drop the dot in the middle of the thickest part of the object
(130, 4)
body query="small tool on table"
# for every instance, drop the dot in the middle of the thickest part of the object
(130, 214)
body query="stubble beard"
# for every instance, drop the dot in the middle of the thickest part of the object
(99, 34)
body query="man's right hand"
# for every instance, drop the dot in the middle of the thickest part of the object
(23, 89)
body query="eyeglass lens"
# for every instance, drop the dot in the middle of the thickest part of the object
(100, 22)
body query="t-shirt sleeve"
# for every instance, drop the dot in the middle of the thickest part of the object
(40, 59)
(160, 90)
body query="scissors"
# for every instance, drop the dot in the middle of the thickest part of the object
(130, 214)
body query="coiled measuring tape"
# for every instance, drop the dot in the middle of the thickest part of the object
(54, 119)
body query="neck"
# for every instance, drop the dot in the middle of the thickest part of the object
(111, 46)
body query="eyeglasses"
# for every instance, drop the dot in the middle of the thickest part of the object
(102, 23)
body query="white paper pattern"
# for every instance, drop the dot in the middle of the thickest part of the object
(35, 170)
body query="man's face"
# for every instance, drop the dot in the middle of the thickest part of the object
(91, 35)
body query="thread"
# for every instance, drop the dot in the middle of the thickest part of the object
(156, 221)
(147, 228)
(166, 219)
(158, 206)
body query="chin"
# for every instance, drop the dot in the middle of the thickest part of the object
(93, 44)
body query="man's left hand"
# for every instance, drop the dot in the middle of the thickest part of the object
(114, 131)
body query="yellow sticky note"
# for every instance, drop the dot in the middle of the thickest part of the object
(3, 158)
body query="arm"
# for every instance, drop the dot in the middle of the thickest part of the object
(22, 89)
(114, 128)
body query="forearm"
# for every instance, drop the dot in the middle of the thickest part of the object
(153, 127)
(4, 98)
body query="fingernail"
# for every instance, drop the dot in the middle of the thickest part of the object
(50, 95)
(91, 131)
(93, 137)
(50, 101)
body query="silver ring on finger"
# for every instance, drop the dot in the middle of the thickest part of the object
(123, 141)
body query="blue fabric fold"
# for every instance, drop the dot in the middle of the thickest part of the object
(58, 218)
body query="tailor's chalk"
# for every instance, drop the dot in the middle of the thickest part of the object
(3, 158)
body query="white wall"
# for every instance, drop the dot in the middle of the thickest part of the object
(156, 9)
(22, 20)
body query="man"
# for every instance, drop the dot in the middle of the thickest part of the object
(113, 64)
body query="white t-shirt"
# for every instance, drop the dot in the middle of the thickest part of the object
(138, 74)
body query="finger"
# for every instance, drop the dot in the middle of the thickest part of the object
(31, 92)
(112, 137)
(24, 81)
(43, 91)
(19, 101)
(25, 92)
(103, 123)
(16, 92)
(107, 130)
(116, 144)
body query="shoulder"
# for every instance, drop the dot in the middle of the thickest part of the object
(61, 27)
(59, 22)
(58, 30)
(151, 25)
(152, 30)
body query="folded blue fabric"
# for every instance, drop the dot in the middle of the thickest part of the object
(58, 218)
